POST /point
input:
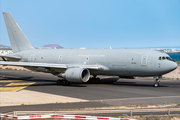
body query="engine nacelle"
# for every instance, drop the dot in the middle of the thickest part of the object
(76, 75)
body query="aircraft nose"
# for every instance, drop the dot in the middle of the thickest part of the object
(169, 66)
(174, 65)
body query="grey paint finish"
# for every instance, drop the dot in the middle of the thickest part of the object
(119, 62)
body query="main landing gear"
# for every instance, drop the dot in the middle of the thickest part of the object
(157, 81)
(62, 82)
(94, 80)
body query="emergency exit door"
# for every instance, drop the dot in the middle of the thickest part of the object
(60, 59)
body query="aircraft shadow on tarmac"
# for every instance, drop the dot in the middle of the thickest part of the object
(114, 81)
(12, 78)
(104, 81)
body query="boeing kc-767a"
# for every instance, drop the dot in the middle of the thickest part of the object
(78, 65)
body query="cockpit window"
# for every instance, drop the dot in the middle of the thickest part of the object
(165, 58)
(168, 58)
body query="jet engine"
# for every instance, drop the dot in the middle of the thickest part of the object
(76, 75)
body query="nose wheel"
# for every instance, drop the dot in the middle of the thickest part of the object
(157, 81)
(156, 84)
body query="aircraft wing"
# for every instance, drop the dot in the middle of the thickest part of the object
(31, 64)
(50, 65)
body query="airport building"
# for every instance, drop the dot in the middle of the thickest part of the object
(168, 50)
(5, 51)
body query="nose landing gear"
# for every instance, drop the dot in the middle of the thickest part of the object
(157, 81)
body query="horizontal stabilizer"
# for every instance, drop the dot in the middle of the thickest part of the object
(10, 58)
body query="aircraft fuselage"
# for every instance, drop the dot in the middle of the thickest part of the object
(118, 62)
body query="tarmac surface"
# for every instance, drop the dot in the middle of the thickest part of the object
(112, 91)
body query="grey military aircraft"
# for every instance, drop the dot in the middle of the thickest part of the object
(78, 65)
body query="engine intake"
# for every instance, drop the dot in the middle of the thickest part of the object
(76, 75)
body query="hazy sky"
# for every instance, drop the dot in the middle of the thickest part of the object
(95, 23)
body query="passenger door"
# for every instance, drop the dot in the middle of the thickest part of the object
(144, 60)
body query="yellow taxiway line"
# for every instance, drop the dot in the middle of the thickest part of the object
(14, 87)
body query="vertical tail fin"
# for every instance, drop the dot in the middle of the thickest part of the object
(19, 41)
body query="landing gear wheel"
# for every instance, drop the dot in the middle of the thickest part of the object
(59, 82)
(97, 80)
(62, 82)
(94, 80)
(65, 82)
(156, 84)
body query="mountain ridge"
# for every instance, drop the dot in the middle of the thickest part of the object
(4, 46)
(52, 46)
